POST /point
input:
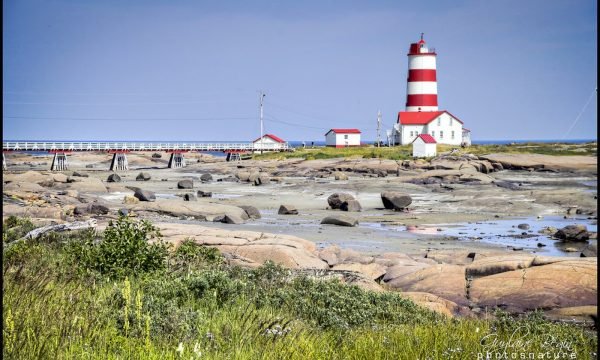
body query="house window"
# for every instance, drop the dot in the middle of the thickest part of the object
(452, 134)
(411, 134)
(433, 133)
(451, 121)
(345, 137)
(441, 134)
(439, 121)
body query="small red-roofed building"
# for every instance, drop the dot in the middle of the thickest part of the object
(424, 146)
(269, 142)
(342, 137)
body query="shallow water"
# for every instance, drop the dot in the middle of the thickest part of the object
(506, 233)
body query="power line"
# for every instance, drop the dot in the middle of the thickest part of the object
(126, 119)
(121, 103)
(580, 113)
(276, 120)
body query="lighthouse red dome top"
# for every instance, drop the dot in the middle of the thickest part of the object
(420, 48)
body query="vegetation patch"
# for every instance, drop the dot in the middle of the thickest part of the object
(125, 294)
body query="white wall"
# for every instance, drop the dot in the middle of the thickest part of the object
(442, 129)
(333, 139)
(422, 149)
(410, 132)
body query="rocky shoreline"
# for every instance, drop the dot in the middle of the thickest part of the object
(283, 210)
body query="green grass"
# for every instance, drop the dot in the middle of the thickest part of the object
(405, 152)
(196, 307)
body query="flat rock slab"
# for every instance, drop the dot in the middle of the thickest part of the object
(196, 209)
(447, 281)
(497, 264)
(250, 248)
(539, 161)
(555, 285)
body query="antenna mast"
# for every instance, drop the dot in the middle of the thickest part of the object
(378, 127)
(262, 95)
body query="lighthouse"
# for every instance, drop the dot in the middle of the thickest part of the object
(421, 86)
(421, 115)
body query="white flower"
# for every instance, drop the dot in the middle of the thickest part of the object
(476, 330)
(180, 349)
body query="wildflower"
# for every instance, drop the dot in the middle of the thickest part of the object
(210, 336)
(197, 350)
(180, 349)
(477, 330)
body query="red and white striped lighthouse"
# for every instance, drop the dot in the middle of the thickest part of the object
(421, 87)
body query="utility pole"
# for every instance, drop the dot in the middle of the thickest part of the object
(262, 96)
(378, 127)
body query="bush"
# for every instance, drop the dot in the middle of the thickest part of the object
(190, 254)
(15, 228)
(129, 247)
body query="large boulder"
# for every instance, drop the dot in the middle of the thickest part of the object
(253, 213)
(144, 195)
(202, 193)
(336, 200)
(573, 233)
(243, 175)
(395, 200)
(130, 199)
(232, 219)
(330, 255)
(206, 178)
(185, 184)
(156, 155)
(94, 209)
(261, 179)
(351, 206)
(287, 210)
(340, 220)
(113, 178)
(143, 176)
(189, 197)
(590, 251)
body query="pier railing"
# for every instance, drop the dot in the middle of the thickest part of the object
(139, 146)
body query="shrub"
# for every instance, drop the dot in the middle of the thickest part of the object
(190, 254)
(129, 247)
(15, 228)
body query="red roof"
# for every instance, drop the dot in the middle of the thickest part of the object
(344, 131)
(421, 117)
(427, 139)
(279, 140)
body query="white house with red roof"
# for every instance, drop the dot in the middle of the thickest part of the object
(424, 146)
(269, 141)
(444, 127)
(342, 137)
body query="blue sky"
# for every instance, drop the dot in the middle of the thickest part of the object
(192, 70)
